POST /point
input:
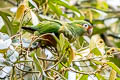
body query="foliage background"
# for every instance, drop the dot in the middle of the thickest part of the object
(96, 57)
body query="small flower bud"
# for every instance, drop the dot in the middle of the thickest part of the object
(108, 52)
(112, 49)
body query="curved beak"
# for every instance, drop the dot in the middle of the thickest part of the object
(90, 30)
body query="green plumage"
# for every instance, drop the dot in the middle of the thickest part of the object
(71, 30)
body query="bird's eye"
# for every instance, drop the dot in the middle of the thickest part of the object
(85, 25)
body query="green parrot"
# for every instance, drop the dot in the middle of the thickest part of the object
(71, 30)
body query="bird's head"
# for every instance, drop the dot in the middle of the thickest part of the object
(86, 26)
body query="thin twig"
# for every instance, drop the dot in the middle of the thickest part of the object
(47, 59)
(57, 62)
(106, 18)
(11, 2)
(27, 71)
(81, 59)
(114, 36)
(109, 11)
(58, 74)
(80, 72)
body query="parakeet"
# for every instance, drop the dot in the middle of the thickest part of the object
(71, 30)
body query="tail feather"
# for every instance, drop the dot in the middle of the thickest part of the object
(29, 29)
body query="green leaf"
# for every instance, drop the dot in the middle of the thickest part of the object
(66, 74)
(4, 30)
(99, 77)
(7, 22)
(102, 5)
(79, 42)
(117, 78)
(65, 47)
(62, 41)
(97, 62)
(39, 2)
(63, 3)
(55, 9)
(84, 77)
(37, 63)
(66, 5)
(100, 30)
(95, 13)
(15, 28)
(114, 67)
(96, 52)
(59, 2)
(71, 55)
(76, 67)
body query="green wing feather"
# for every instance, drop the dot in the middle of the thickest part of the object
(45, 27)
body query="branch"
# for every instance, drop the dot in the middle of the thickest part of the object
(11, 2)
(47, 59)
(110, 11)
(59, 74)
(27, 71)
(56, 63)
(80, 72)
(106, 18)
(61, 58)
(114, 36)
(107, 42)
(87, 73)
(81, 59)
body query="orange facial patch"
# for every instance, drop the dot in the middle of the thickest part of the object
(89, 27)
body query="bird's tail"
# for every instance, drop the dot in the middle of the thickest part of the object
(29, 29)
